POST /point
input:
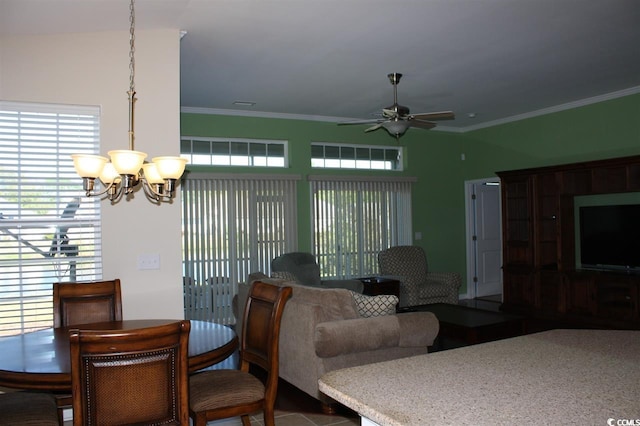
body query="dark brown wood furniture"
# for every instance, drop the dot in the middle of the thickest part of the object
(133, 376)
(539, 254)
(471, 325)
(86, 302)
(374, 286)
(28, 408)
(218, 394)
(40, 359)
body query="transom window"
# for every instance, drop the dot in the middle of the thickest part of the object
(345, 156)
(234, 152)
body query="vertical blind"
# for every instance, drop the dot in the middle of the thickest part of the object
(49, 232)
(232, 225)
(355, 218)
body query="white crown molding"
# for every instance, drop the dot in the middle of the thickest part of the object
(531, 114)
(260, 114)
(557, 108)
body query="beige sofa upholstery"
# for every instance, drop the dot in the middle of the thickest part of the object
(322, 331)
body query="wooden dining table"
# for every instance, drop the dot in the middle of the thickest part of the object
(40, 359)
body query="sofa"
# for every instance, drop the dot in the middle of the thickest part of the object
(302, 267)
(323, 330)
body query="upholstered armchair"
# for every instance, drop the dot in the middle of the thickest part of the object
(303, 268)
(418, 286)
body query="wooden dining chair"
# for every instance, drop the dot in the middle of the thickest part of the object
(218, 394)
(137, 376)
(77, 303)
(28, 408)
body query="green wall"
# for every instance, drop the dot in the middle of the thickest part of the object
(604, 130)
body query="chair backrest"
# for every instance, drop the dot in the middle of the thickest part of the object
(406, 261)
(301, 265)
(131, 376)
(77, 303)
(261, 330)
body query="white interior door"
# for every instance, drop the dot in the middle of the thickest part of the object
(484, 232)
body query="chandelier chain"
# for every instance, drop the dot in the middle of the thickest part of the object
(132, 48)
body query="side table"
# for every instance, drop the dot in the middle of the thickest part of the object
(374, 286)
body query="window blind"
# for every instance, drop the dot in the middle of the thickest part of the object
(49, 232)
(355, 218)
(232, 225)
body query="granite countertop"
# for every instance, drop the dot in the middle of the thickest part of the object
(553, 377)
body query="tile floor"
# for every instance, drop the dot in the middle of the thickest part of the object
(285, 418)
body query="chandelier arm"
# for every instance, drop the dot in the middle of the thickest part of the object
(150, 192)
(160, 191)
(90, 191)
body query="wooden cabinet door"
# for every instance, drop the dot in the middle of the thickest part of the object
(580, 297)
(518, 289)
(616, 297)
(517, 221)
(550, 292)
(546, 224)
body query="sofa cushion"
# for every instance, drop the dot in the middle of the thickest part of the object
(433, 289)
(375, 306)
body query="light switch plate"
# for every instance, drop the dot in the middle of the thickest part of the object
(148, 261)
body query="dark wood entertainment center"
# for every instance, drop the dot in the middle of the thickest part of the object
(539, 250)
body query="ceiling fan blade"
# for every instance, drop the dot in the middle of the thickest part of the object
(373, 120)
(442, 115)
(372, 128)
(389, 113)
(422, 124)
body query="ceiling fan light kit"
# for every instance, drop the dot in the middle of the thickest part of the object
(398, 118)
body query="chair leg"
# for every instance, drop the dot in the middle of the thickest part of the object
(199, 420)
(269, 417)
(246, 421)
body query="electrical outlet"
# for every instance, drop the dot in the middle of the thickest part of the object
(148, 261)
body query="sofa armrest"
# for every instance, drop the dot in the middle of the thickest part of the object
(418, 328)
(333, 338)
(452, 280)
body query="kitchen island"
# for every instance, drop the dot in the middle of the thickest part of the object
(552, 377)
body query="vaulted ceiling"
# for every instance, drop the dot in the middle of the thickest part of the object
(328, 60)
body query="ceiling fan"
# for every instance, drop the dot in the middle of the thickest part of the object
(397, 118)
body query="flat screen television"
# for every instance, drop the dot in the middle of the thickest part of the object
(610, 237)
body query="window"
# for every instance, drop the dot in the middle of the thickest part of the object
(355, 219)
(49, 232)
(234, 152)
(343, 156)
(232, 225)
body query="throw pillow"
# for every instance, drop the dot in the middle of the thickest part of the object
(375, 306)
(283, 275)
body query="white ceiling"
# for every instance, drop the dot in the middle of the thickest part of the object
(329, 59)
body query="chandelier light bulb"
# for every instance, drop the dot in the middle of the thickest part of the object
(109, 174)
(170, 167)
(151, 173)
(127, 162)
(88, 165)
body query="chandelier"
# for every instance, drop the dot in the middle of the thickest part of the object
(128, 168)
